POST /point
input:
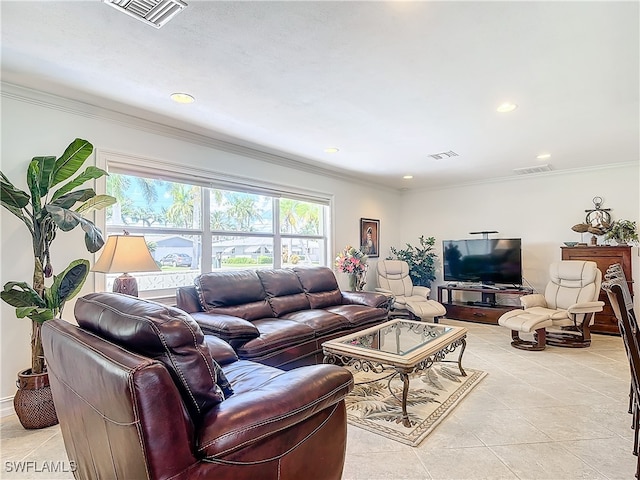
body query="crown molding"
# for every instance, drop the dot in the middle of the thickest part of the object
(516, 178)
(237, 147)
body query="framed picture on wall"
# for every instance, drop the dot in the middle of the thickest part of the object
(370, 237)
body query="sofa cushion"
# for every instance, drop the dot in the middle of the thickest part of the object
(321, 321)
(227, 327)
(280, 282)
(320, 285)
(246, 375)
(284, 291)
(359, 315)
(288, 303)
(237, 293)
(275, 334)
(278, 405)
(163, 333)
(220, 350)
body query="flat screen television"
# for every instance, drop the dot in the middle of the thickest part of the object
(485, 261)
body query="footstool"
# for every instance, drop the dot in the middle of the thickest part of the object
(425, 310)
(414, 307)
(521, 321)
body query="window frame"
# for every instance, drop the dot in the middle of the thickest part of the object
(208, 180)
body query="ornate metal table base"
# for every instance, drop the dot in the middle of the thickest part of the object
(364, 365)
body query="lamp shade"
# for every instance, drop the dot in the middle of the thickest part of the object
(125, 254)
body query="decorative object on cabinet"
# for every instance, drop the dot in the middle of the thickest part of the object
(370, 237)
(623, 231)
(597, 221)
(604, 256)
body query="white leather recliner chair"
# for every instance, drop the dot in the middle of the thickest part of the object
(409, 300)
(563, 315)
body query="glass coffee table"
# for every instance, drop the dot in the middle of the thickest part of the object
(405, 346)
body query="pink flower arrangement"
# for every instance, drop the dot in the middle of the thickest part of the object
(351, 260)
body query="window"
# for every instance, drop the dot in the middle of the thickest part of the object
(192, 228)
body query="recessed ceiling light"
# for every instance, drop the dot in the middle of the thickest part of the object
(331, 150)
(182, 98)
(506, 107)
(543, 156)
(408, 177)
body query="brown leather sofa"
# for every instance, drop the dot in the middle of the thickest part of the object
(139, 396)
(279, 317)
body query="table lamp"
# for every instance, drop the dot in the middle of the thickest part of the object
(126, 253)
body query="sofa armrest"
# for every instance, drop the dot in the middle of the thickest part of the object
(371, 299)
(187, 299)
(233, 330)
(279, 403)
(535, 300)
(221, 351)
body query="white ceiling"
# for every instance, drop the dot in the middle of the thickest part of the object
(387, 82)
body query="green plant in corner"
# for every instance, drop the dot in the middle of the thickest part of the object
(421, 260)
(44, 211)
(623, 231)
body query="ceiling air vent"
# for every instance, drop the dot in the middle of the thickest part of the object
(535, 169)
(151, 12)
(440, 156)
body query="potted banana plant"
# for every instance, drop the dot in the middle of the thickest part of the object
(45, 211)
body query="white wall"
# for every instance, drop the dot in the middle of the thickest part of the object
(34, 124)
(539, 209)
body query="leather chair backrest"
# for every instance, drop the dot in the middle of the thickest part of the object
(121, 415)
(163, 333)
(394, 275)
(571, 282)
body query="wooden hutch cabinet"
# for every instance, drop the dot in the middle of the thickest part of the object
(605, 321)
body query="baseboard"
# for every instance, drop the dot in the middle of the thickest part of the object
(6, 407)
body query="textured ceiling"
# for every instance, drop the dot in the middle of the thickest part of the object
(388, 83)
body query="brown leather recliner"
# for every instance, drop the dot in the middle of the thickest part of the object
(139, 396)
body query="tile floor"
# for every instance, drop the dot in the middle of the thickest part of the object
(556, 414)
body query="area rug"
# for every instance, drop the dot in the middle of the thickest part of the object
(375, 404)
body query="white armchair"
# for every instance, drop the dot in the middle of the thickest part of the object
(409, 300)
(564, 313)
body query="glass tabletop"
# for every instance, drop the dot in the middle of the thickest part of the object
(400, 338)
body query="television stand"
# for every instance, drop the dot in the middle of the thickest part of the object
(486, 309)
(485, 287)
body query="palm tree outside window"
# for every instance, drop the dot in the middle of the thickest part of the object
(241, 229)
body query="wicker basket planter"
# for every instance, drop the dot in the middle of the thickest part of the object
(33, 401)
